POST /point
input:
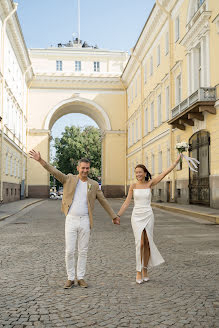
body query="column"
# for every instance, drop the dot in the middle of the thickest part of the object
(202, 63)
(207, 60)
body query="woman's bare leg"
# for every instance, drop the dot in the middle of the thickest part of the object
(139, 273)
(146, 253)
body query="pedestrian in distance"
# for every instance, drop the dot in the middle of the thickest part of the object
(79, 195)
(142, 220)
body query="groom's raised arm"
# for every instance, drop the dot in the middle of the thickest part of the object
(52, 170)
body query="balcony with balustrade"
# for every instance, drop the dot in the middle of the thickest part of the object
(193, 107)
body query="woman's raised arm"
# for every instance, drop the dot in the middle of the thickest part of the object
(156, 180)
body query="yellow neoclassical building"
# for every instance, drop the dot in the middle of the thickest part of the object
(165, 92)
(172, 96)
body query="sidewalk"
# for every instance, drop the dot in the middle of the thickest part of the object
(197, 211)
(12, 208)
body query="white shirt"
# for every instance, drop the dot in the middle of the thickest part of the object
(79, 205)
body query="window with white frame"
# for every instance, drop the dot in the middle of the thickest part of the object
(96, 66)
(177, 29)
(167, 93)
(146, 161)
(152, 116)
(159, 118)
(15, 167)
(11, 165)
(136, 129)
(158, 55)
(152, 164)
(145, 73)
(24, 168)
(18, 169)
(6, 162)
(166, 43)
(178, 89)
(151, 66)
(59, 65)
(160, 162)
(146, 121)
(77, 66)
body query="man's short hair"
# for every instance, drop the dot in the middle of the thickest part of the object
(83, 160)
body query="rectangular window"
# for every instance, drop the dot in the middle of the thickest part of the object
(136, 128)
(152, 164)
(151, 66)
(152, 116)
(146, 121)
(160, 162)
(177, 29)
(6, 163)
(158, 55)
(96, 66)
(146, 161)
(178, 89)
(77, 66)
(166, 43)
(159, 119)
(11, 166)
(167, 102)
(59, 65)
(15, 167)
(145, 73)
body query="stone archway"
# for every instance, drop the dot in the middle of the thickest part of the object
(78, 105)
(113, 146)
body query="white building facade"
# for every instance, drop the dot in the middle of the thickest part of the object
(15, 72)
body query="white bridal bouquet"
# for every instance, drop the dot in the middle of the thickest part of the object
(192, 162)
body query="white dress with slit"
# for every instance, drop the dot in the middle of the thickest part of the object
(143, 218)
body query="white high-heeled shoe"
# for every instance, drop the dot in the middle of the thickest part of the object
(139, 281)
(146, 279)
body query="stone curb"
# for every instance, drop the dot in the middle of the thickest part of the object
(212, 218)
(25, 206)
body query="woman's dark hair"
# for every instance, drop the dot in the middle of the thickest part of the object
(148, 175)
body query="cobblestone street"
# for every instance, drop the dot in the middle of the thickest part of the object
(183, 292)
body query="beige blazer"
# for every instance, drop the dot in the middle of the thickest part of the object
(69, 182)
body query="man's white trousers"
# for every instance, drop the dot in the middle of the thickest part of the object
(76, 228)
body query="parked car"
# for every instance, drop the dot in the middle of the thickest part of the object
(52, 195)
(60, 192)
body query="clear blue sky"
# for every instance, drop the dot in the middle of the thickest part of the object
(111, 24)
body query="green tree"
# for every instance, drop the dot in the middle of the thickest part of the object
(76, 143)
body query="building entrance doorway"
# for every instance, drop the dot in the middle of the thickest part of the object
(199, 192)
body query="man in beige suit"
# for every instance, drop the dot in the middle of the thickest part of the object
(79, 195)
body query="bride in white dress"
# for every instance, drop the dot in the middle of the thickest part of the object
(142, 220)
